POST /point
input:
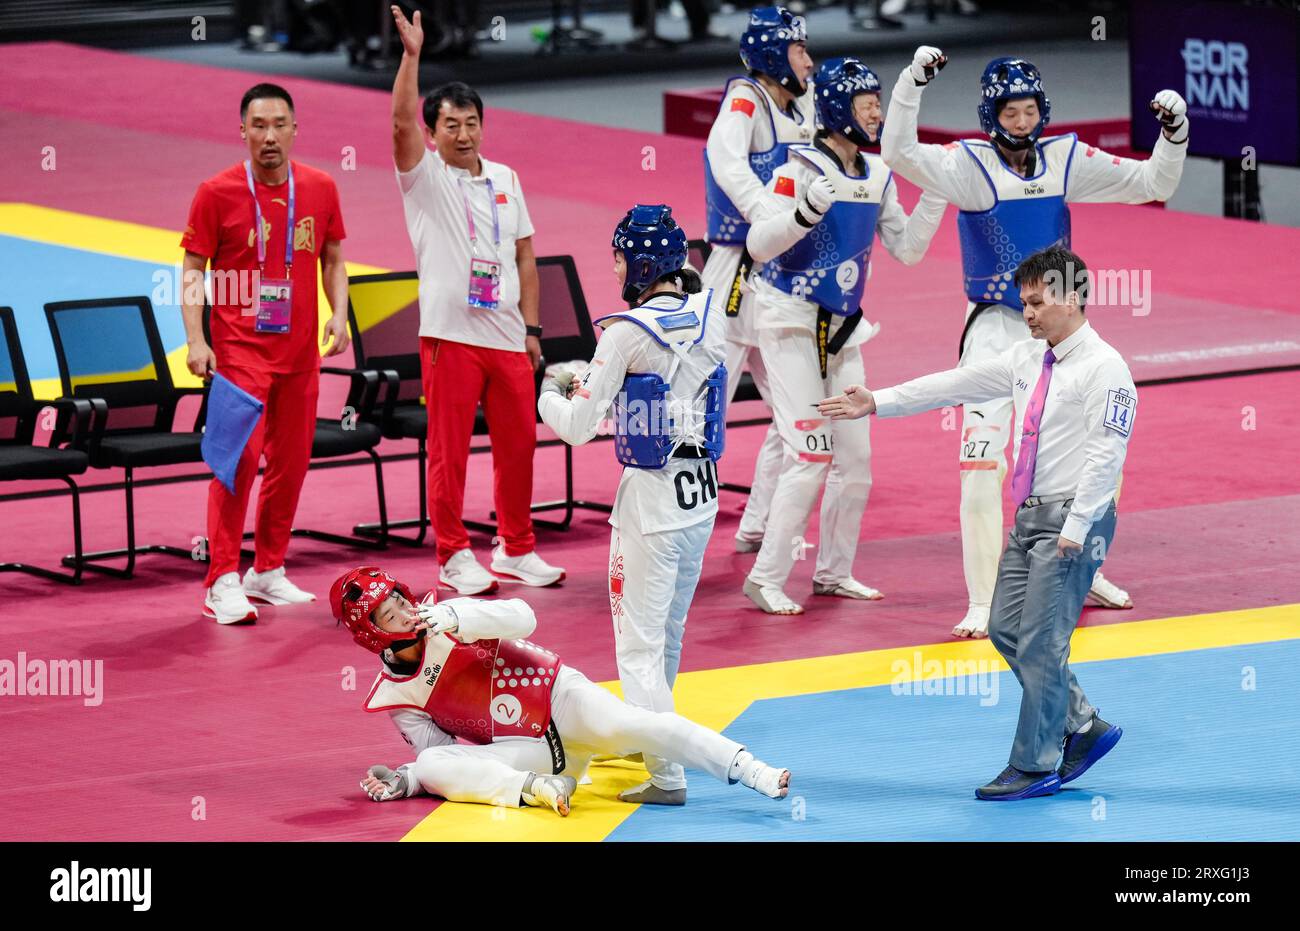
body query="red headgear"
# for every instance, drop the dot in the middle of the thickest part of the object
(356, 593)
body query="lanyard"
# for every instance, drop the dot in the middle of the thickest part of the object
(469, 216)
(261, 235)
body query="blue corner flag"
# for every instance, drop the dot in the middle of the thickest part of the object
(232, 415)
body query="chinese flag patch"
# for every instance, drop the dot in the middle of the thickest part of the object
(501, 198)
(742, 105)
(785, 186)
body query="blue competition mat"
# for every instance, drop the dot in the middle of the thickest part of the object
(1210, 752)
(33, 274)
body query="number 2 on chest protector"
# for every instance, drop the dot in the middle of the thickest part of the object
(696, 486)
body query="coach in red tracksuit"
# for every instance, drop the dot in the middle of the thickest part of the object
(264, 325)
(479, 338)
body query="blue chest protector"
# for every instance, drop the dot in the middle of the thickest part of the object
(726, 225)
(1028, 214)
(649, 423)
(828, 267)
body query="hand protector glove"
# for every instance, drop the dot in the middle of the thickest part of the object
(395, 784)
(926, 63)
(1171, 110)
(562, 377)
(439, 618)
(817, 199)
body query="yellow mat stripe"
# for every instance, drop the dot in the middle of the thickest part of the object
(716, 697)
(124, 240)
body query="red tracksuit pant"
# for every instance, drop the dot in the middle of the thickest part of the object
(284, 434)
(457, 378)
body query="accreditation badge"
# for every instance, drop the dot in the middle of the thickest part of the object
(274, 303)
(484, 283)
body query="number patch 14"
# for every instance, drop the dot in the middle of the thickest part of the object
(1120, 407)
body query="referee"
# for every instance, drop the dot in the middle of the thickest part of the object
(1076, 402)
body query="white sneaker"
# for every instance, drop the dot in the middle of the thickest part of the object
(274, 588)
(463, 573)
(226, 603)
(847, 588)
(1108, 594)
(975, 625)
(529, 568)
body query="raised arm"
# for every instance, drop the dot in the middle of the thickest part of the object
(1098, 177)
(408, 136)
(943, 170)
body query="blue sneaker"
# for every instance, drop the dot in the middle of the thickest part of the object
(1082, 750)
(1013, 785)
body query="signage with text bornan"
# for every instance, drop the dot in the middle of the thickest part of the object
(1234, 64)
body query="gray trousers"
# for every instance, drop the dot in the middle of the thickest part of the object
(1036, 605)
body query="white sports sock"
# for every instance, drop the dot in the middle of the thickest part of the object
(1087, 727)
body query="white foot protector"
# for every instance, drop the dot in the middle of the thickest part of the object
(847, 588)
(395, 785)
(647, 793)
(746, 545)
(975, 625)
(764, 779)
(770, 599)
(553, 792)
(1108, 594)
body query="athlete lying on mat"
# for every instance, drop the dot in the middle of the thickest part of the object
(462, 669)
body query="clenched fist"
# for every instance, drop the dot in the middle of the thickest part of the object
(1171, 110)
(926, 63)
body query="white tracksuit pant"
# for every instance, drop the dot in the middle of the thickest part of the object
(590, 721)
(815, 452)
(742, 352)
(986, 429)
(656, 576)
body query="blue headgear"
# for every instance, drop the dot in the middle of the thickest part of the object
(765, 45)
(1011, 79)
(839, 80)
(653, 245)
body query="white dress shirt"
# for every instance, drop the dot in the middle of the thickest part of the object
(1086, 422)
(434, 195)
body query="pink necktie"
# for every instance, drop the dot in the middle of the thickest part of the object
(1022, 479)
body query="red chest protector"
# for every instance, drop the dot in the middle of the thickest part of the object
(481, 691)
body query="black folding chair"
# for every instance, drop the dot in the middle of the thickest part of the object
(19, 460)
(384, 315)
(110, 353)
(568, 334)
